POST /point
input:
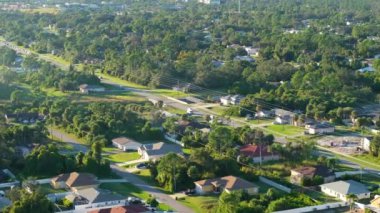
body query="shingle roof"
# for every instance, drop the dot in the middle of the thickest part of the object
(319, 170)
(161, 148)
(227, 182)
(347, 187)
(124, 141)
(76, 179)
(98, 195)
(254, 151)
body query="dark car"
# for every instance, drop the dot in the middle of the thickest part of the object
(141, 166)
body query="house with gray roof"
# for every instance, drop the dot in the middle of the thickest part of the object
(125, 144)
(340, 189)
(93, 197)
(157, 150)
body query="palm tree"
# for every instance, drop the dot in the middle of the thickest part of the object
(351, 200)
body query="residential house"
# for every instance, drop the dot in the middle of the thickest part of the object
(299, 174)
(131, 208)
(283, 116)
(321, 128)
(93, 198)
(86, 89)
(263, 114)
(375, 202)
(340, 189)
(252, 51)
(74, 181)
(253, 152)
(227, 184)
(366, 143)
(231, 100)
(183, 124)
(157, 150)
(125, 144)
(26, 118)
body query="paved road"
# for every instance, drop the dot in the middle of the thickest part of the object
(162, 197)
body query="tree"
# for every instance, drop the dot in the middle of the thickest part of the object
(171, 172)
(152, 201)
(194, 173)
(221, 139)
(16, 97)
(227, 202)
(332, 163)
(31, 202)
(351, 200)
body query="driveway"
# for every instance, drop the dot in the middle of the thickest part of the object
(162, 197)
(141, 160)
(78, 147)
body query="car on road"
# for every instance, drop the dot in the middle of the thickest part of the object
(141, 166)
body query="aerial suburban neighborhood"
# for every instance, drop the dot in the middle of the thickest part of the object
(203, 106)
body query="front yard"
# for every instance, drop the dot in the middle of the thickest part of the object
(48, 189)
(127, 189)
(122, 157)
(200, 204)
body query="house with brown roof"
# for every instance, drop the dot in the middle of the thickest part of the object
(157, 150)
(299, 174)
(74, 181)
(132, 208)
(227, 184)
(253, 152)
(125, 144)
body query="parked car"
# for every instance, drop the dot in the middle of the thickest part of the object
(189, 192)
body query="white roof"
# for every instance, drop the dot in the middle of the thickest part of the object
(347, 187)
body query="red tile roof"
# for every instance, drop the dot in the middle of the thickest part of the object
(254, 151)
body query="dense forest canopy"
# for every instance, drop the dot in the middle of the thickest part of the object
(314, 48)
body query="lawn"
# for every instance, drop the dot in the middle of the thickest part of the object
(112, 96)
(121, 81)
(47, 189)
(368, 158)
(122, 157)
(127, 189)
(174, 110)
(285, 129)
(200, 204)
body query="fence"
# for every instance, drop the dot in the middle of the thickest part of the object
(315, 208)
(275, 185)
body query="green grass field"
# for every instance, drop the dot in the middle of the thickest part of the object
(285, 129)
(123, 157)
(48, 10)
(121, 81)
(200, 204)
(127, 189)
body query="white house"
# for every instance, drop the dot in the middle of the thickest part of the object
(157, 150)
(95, 198)
(321, 128)
(212, 2)
(366, 143)
(231, 100)
(252, 51)
(263, 114)
(340, 189)
(85, 88)
(125, 144)
(225, 100)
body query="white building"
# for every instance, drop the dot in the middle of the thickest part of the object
(211, 2)
(321, 128)
(340, 189)
(231, 100)
(252, 51)
(366, 143)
